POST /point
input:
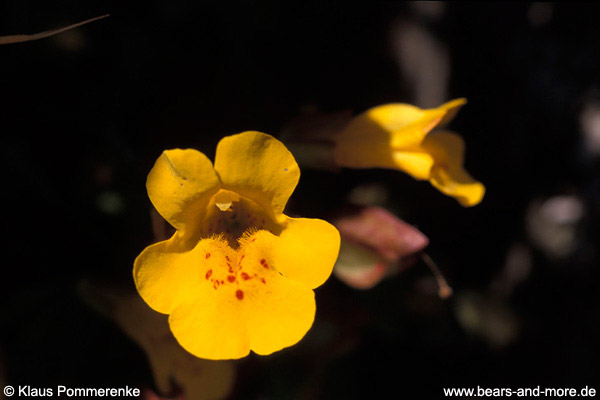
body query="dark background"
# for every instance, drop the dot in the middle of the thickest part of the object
(84, 116)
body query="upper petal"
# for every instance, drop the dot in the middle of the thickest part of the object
(257, 166)
(375, 137)
(306, 250)
(180, 185)
(452, 107)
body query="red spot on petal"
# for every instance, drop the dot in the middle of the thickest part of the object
(245, 276)
(207, 255)
(227, 258)
(263, 280)
(239, 294)
(208, 273)
(263, 262)
(222, 282)
(231, 278)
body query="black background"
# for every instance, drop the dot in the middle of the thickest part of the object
(166, 74)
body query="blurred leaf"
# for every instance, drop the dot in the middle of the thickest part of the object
(150, 395)
(374, 241)
(486, 317)
(175, 370)
(359, 267)
(554, 225)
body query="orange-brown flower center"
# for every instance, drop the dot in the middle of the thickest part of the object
(234, 263)
(232, 215)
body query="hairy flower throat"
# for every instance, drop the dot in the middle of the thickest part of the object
(232, 216)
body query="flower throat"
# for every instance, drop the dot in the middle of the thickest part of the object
(231, 216)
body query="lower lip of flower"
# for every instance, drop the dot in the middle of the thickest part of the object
(234, 268)
(235, 273)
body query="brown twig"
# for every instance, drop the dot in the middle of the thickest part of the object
(26, 38)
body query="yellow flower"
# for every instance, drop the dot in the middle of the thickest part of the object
(398, 136)
(238, 274)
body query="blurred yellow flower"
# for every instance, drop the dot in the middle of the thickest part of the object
(398, 136)
(238, 274)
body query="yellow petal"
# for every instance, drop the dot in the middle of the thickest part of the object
(257, 166)
(445, 147)
(180, 185)
(244, 303)
(456, 182)
(370, 151)
(277, 308)
(211, 326)
(448, 174)
(306, 250)
(166, 274)
(381, 136)
(397, 125)
(452, 107)
(208, 321)
(406, 124)
(416, 164)
(278, 314)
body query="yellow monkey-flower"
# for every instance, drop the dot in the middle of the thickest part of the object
(238, 274)
(399, 136)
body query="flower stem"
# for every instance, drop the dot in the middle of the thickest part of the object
(444, 290)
